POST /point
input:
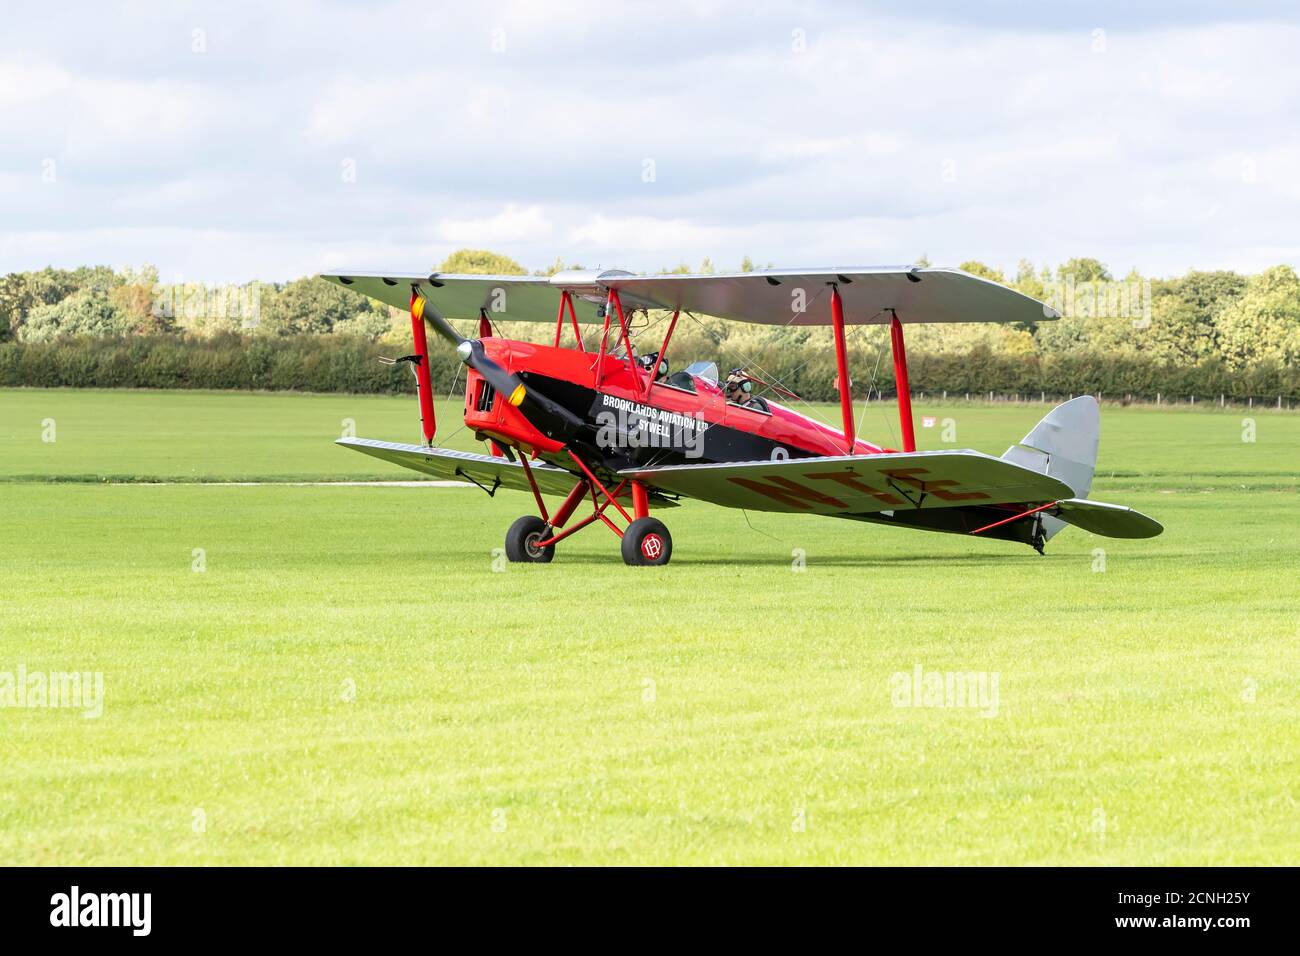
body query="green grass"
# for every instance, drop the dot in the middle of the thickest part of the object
(107, 435)
(350, 681)
(201, 436)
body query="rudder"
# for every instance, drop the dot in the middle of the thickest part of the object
(1063, 445)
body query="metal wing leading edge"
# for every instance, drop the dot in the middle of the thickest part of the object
(488, 471)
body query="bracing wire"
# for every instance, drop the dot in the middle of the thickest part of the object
(758, 530)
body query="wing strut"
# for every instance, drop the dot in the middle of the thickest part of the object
(627, 345)
(423, 384)
(663, 349)
(566, 301)
(842, 367)
(901, 383)
(485, 332)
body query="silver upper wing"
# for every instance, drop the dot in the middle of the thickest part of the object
(870, 294)
(511, 298)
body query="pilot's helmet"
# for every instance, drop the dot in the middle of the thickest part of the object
(652, 361)
(737, 378)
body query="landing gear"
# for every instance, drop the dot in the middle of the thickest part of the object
(522, 541)
(1038, 539)
(646, 542)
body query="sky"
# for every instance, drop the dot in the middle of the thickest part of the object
(224, 142)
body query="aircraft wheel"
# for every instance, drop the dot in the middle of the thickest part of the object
(647, 542)
(522, 538)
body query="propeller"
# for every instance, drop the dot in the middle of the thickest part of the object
(546, 414)
(471, 352)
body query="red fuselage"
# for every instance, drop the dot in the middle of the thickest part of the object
(598, 391)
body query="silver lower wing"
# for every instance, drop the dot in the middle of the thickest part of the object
(487, 470)
(857, 484)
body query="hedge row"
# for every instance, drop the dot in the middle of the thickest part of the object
(342, 364)
(980, 371)
(307, 363)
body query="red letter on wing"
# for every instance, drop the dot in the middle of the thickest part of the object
(788, 492)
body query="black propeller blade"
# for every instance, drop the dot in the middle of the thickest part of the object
(421, 310)
(509, 386)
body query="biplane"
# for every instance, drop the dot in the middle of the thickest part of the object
(600, 419)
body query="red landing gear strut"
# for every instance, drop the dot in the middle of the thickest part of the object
(644, 541)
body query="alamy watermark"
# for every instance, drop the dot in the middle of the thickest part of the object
(973, 690)
(73, 690)
(75, 908)
(623, 423)
(190, 301)
(1128, 299)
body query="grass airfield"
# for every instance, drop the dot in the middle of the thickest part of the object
(341, 674)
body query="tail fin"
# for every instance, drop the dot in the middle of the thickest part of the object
(1063, 445)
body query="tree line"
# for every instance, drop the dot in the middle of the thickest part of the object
(1203, 333)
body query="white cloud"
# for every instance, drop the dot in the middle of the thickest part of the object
(936, 131)
(644, 234)
(513, 224)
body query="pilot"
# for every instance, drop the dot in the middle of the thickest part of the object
(652, 361)
(740, 391)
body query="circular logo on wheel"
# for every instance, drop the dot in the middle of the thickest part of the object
(652, 546)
